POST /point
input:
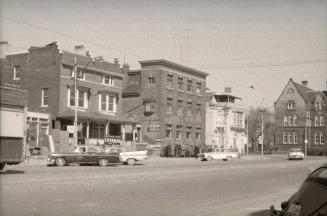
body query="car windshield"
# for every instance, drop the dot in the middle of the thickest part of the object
(295, 150)
(320, 173)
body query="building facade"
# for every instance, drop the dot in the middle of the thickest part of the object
(225, 122)
(48, 73)
(301, 115)
(169, 101)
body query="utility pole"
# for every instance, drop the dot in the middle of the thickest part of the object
(76, 101)
(247, 135)
(262, 110)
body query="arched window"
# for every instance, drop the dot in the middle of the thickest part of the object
(317, 138)
(295, 120)
(290, 120)
(316, 121)
(321, 121)
(322, 138)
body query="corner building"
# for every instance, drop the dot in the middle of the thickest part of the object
(168, 99)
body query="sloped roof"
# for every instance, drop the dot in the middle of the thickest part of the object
(68, 58)
(304, 91)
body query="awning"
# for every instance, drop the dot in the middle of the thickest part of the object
(96, 115)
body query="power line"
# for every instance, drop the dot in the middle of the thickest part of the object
(69, 36)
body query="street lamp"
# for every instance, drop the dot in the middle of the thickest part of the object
(93, 60)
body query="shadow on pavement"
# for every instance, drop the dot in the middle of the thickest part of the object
(260, 213)
(12, 172)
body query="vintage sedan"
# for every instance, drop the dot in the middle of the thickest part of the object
(310, 199)
(84, 155)
(295, 153)
(209, 153)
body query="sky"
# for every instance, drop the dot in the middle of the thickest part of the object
(240, 43)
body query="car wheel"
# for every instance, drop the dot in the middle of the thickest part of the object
(130, 161)
(103, 162)
(209, 158)
(60, 162)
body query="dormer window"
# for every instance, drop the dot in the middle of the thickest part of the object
(108, 80)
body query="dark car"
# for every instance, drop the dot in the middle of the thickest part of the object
(84, 155)
(310, 199)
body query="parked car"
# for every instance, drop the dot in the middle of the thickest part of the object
(84, 155)
(295, 153)
(207, 154)
(310, 199)
(129, 157)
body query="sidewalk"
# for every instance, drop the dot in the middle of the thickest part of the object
(34, 161)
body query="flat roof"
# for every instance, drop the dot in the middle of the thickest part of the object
(173, 65)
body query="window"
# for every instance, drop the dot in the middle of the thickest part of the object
(197, 135)
(198, 114)
(295, 120)
(150, 107)
(169, 80)
(16, 72)
(321, 121)
(108, 80)
(151, 80)
(108, 102)
(290, 137)
(316, 121)
(290, 120)
(295, 138)
(179, 132)
(188, 133)
(198, 88)
(285, 120)
(180, 83)
(189, 111)
(168, 130)
(237, 119)
(82, 97)
(80, 74)
(179, 110)
(169, 105)
(317, 138)
(318, 104)
(97, 130)
(45, 97)
(322, 140)
(284, 137)
(189, 85)
(308, 114)
(290, 104)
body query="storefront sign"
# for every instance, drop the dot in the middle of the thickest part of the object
(112, 140)
(154, 125)
(71, 128)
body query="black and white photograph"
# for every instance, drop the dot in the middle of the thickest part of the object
(163, 107)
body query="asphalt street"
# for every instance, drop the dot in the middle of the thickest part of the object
(156, 187)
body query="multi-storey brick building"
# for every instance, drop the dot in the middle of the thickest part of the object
(225, 121)
(168, 98)
(47, 72)
(301, 115)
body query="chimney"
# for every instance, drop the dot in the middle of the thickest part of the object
(116, 61)
(305, 83)
(80, 50)
(228, 89)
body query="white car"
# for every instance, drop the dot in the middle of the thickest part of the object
(295, 153)
(218, 153)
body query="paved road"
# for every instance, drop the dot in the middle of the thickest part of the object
(157, 187)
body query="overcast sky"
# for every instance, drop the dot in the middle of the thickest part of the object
(240, 43)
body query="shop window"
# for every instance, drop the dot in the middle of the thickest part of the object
(97, 130)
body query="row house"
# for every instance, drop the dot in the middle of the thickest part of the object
(47, 72)
(301, 114)
(225, 121)
(168, 99)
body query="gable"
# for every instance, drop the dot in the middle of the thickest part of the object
(290, 92)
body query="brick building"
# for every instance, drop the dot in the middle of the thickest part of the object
(47, 72)
(225, 121)
(301, 115)
(169, 101)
